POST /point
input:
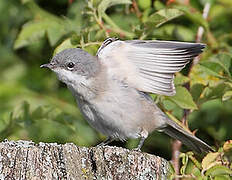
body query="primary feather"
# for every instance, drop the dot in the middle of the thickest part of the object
(149, 65)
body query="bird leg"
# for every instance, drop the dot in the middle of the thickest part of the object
(143, 136)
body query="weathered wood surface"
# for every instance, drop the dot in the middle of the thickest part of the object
(27, 160)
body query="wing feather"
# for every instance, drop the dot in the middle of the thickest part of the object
(149, 66)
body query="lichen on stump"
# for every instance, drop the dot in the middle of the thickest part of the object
(27, 160)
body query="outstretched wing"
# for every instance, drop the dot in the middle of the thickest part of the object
(148, 66)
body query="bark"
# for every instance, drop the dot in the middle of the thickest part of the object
(27, 160)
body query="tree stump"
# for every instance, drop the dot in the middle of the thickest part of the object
(27, 160)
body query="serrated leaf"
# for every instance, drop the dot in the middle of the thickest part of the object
(209, 159)
(64, 45)
(162, 16)
(218, 170)
(183, 98)
(105, 4)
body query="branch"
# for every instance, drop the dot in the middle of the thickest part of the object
(200, 31)
(136, 9)
(27, 160)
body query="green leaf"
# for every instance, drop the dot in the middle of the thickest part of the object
(54, 33)
(183, 98)
(144, 4)
(211, 68)
(209, 159)
(75, 39)
(162, 16)
(227, 96)
(188, 167)
(31, 32)
(215, 91)
(184, 160)
(222, 177)
(105, 4)
(64, 45)
(176, 31)
(38, 13)
(181, 79)
(229, 84)
(25, 1)
(196, 91)
(174, 108)
(224, 60)
(158, 5)
(196, 17)
(227, 3)
(194, 160)
(35, 30)
(218, 170)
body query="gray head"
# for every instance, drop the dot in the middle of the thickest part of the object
(73, 66)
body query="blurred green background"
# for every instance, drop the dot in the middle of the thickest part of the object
(35, 106)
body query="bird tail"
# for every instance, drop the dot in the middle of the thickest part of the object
(176, 131)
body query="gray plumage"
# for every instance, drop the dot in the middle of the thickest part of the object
(111, 88)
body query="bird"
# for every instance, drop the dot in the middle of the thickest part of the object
(112, 89)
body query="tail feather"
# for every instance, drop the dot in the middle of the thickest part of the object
(176, 131)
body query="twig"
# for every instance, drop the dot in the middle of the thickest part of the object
(176, 145)
(137, 11)
(200, 31)
(100, 23)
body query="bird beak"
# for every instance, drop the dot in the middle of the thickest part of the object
(46, 66)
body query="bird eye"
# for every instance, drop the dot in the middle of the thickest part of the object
(70, 65)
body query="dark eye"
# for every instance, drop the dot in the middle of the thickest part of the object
(70, 65)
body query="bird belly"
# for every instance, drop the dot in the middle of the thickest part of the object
(122, 114)
(102, 122)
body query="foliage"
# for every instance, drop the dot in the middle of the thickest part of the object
(34, 105)
(215, 165)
